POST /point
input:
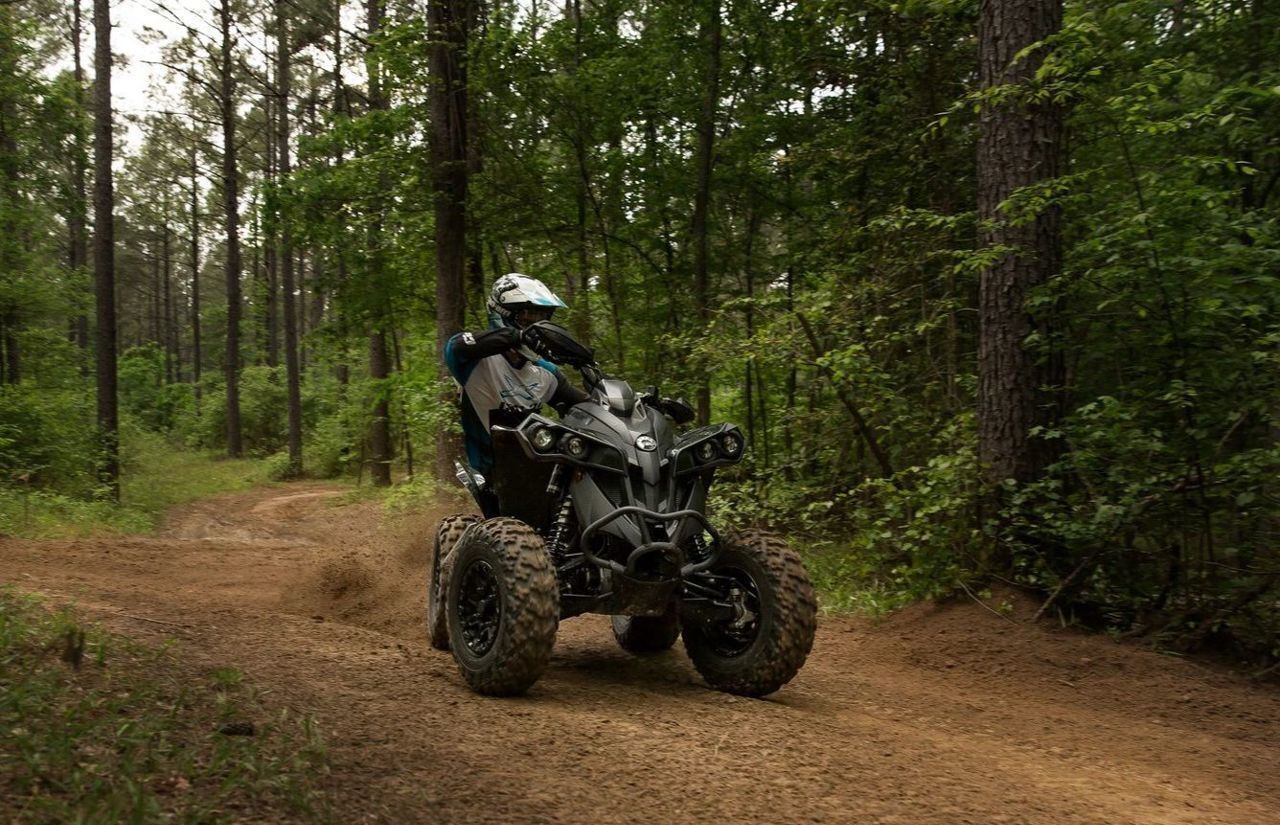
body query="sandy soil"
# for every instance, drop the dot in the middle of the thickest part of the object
(940, 714)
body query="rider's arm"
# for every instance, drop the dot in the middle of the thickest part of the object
(566, 394)
(469, 347)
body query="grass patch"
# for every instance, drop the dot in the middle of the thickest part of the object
(156, 477)
(95, 728)
(848, 584)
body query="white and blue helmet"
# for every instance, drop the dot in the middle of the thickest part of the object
(514, 292)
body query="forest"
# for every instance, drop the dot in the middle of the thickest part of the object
(991, 288)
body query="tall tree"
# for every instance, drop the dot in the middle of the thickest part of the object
(1020, 145)
(104, 276)
(379, 362)
(231, 207)
(78, 248)
(194, 216)
(448, 22)
(709, 34)
(293, 391)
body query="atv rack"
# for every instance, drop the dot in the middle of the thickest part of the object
(648, 546)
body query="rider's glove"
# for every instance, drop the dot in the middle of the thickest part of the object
(532, 338)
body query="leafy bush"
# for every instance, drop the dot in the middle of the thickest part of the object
(47, 439)
(145, 395)
(264, 419)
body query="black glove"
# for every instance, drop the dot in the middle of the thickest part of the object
(532, 338)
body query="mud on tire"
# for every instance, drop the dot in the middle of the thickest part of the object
(787, 619)
(503, 607)
(647, 634)
(448, 532)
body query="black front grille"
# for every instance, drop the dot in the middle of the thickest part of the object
(613, 487)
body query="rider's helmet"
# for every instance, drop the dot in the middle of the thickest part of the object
(517, 300)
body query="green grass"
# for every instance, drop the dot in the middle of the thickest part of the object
(156, 477)
(95, 728)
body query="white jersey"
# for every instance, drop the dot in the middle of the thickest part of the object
(496, 385)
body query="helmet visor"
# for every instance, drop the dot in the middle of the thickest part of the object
(528, 314)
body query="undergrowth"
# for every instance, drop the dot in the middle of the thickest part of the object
(95, 728)
(156, 477)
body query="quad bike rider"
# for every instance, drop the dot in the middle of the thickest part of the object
(600, 512)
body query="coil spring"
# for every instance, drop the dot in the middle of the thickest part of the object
(561, 529)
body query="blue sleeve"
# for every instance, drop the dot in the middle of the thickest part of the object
(459, 367)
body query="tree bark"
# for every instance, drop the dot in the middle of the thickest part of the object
(104, 276)
(448, 22)
(78, 253)
(379, 363)
(709, 33)
(231, 206)
(170, 333)
(10, 236)
(292, 382)
(195, 270)
(1020, 144)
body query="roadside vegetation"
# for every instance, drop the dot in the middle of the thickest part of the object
(162, 475)
(95, 728)
(957, 357)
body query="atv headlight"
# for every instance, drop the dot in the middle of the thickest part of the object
(542, 439)
(705, 451)
(731, 443)
(575, 446)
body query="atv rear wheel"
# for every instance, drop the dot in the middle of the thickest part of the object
(766, 642)
(448, 532)
(647, 634)
(503, 607)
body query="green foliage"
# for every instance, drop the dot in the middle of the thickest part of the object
(157, 405)
(159, 475)
(44, 440)
(128, 733)
(842, 331)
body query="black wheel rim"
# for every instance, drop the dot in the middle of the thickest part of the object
(479, 607)
(735, 636)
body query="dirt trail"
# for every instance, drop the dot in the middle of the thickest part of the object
(944, 714)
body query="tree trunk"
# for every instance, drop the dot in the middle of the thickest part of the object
(170, 334)
(1020, 144)
(10, 233)
(195, 271)
(580, 310)
(231, 206)
(292, 382)
(78, 253)
(104, 276)
(448, 22)
(709, 33)
(379, 362)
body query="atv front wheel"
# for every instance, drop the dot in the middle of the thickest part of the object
(503, 607)
(447, 534)
(764, 644)
(647, 634)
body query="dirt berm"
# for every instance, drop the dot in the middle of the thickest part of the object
(940, 714)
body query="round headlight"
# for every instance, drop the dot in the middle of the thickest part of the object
(705, 451)
(731, 444)
(575, 446)
(542, 439)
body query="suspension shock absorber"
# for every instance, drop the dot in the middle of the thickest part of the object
(561, 531)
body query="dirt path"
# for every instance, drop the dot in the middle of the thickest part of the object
(940, 714)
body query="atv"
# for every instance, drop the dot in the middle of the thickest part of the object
(604, 511)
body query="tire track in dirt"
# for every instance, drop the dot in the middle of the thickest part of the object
(939, 714)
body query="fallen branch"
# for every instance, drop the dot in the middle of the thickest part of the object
(1267, 671)
(1062, 585)
(864, 428)
(983, 604)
